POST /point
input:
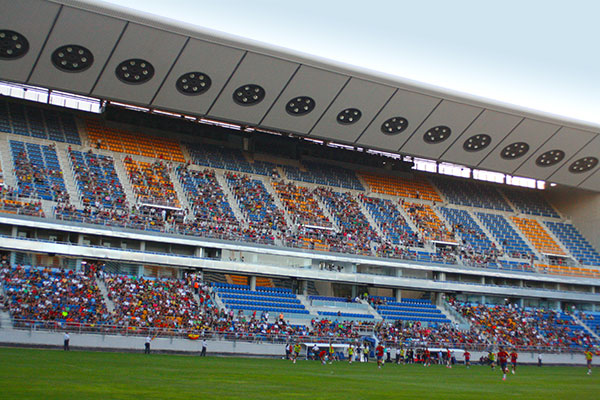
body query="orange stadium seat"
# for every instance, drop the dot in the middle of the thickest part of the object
(538, 236)
(416, 188)
(429, 224)
(133, 143)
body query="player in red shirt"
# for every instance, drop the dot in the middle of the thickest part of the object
(426, 358)
(379, 352)
(448, 358)
(323, 356)
(467, 358)
(502, 361)
(513, 360)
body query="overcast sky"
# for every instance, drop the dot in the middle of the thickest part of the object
(543, 55)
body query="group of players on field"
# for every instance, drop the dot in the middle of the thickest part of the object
(329, 354)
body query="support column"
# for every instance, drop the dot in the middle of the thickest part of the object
(13, 258)
(199, 252)
(398, 294)
(142, 245)
(304, 288)
(441, 276)
(140, 271)
(252, 283)
(14, 231)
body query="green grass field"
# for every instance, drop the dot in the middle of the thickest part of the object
(53, 374)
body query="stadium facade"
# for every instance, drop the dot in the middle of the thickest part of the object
(263, 168)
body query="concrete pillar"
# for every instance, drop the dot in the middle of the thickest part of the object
(304, 288)
(143, 245)
(482, 299)
(140, 271)
(199, 252)
(398, 294)
(13, 257)
(441, 276)
(14, 231)
(354, 291)
(521, 302)
(252, 283)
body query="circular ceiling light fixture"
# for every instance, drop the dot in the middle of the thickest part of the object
(72, 58)
(477, 142)
(583, 165)
(13, 45)
(301, 105)
(349, 116)
(193, 83)
(550, 158)
(514, 150)
(249, 95)
(134, 71)
(437, 134)
(394, 125)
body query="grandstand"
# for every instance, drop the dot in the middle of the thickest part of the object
(233, 216)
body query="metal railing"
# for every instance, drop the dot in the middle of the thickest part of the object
(257, 337)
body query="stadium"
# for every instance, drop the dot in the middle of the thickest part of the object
(164, 185)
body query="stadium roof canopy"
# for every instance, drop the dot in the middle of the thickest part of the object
(112, 53)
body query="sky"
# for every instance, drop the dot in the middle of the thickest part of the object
(541, 55)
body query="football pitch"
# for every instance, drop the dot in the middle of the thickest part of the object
(53, 374)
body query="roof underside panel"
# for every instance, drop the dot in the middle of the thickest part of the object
(114, 34)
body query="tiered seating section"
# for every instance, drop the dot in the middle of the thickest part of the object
(210, 207)
(50, 294)
(230, 159)
(275, 300)
(160, 303)
(416, 188)
(123, 141)
(468, 193)
(324, 174)
(410, 310)
(513, 326)
(429, 224)
(356, 233)
(38, 172)
(568, 270)
(504, 233)
(575, 242)
(301, 205)
(390, 221)
(38, 123)
(39, 176)
(151, 183)
(538, 236)
(256, 202)
(171, 306)
(529, 202)
(10, 203)
(97, 180)
(592, 320)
